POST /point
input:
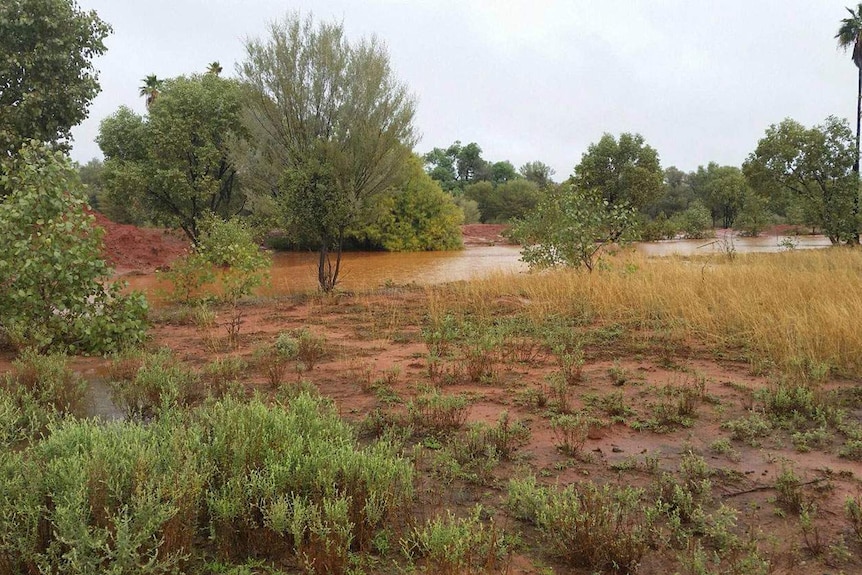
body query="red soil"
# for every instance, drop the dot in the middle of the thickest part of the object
(484, 234)
(129, 248)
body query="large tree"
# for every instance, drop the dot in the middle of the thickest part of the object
(850, 36)
(47, 79)
(814, 166)
(332, 128)
(174, 163)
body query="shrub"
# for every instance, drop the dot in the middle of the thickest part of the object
(55, 291)
(161, 382)
(453, 546)
(437, 412)
(586, 525)
(310, 348)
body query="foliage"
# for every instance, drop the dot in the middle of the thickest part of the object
(694, 222)
(456, 546)
(722, 190)
(623, 172)
(571, 226)
(47, 48)
(226, 255)
(416, 216)
(56, 292)
(814, 166)
(457, 166)
(173, 165)
(506, 201)
(539, 173)
(287, 483)
(331, 128)
(584, 524)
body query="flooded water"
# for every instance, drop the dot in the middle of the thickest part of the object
(294, 272)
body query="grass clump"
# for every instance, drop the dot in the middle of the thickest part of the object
(437, 412)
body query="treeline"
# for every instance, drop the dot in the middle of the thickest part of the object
(796, 175)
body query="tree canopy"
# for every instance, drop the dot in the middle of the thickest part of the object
(815, 167)
(47, 78)
(332, 128)
(174, 163)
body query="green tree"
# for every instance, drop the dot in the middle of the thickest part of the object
(539, 173)
(850, 35)
(47, 79)
(333, 128)
(458, 166)
(150, 89)
(815, 167)
(624, 172)
(571, 227)
(417, 215)
(502, 172)
(174, 164)
(506, 201)
(722, 190)
(214, 68)
(676, 194)
(55, 291)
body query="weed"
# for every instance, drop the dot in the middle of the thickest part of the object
(47, 381)
(586, 525)
(612, 404)
(310, 348)
(810, 531)
(161, 382)
(618, 374)
(437, 412)
(852, 449)
(452, 546)
(805, 441)
(749, 430)
(853, 513)
(572, 431)
(723, 447)
(788, 489)
(223, 371)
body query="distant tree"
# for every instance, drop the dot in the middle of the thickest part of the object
(502, 172)
(676, 194)
(150, 89)
(440, 165)
(174, 163)
(694, 222)
(571, 227)
(850, 35)
(538, 172)
(722, 190)
(90, 175)
(47, 78)
(506, 201)
(214, 68)
(623, 172)
(332, 129)
(815, 167)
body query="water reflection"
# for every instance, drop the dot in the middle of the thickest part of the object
(294, 272)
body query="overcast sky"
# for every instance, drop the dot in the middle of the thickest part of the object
(532, 80)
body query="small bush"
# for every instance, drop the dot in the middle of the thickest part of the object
(572, 431)
(160, 383)
(749, 429)
(452, 546)
(310, 348)
(598, 527)
(48, 381)
(437, 412)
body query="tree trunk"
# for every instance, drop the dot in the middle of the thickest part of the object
(856, 158)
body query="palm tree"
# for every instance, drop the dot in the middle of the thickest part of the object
(214, 68)
(850, 34)
(150, 89)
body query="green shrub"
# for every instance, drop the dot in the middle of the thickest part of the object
(455, 546)
(437, 412)
(586, 525)
(161, 382)
(55, 291)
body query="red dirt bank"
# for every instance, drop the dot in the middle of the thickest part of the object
(129, 248)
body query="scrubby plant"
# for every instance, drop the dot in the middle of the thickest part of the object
(572, 430)
(161, 382)
(586, 525)
(48, 381)
(55, 288)
(449, 545)
(310, 348)
(437, 412)
(749, 429)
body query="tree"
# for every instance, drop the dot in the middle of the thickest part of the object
(539, 173)
(174, 164)
(722, 190)
(850, 34)
(624, 171)
(458, 166)
(150, 89)
(815, 166)
(332, 128)
(214, 68)
(47, 79)
(55, 291)
(506, 201)
(571, 226)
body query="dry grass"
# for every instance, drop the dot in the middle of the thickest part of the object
(797, 310)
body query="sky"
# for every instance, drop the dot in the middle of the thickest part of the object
(700, 80)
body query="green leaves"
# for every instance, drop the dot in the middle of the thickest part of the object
(55, 293)
(47, 49)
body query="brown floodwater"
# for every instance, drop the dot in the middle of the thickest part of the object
(296, 272)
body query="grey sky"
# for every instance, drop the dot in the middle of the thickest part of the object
(533, 80)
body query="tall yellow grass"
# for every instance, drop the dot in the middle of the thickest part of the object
(798, 310)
